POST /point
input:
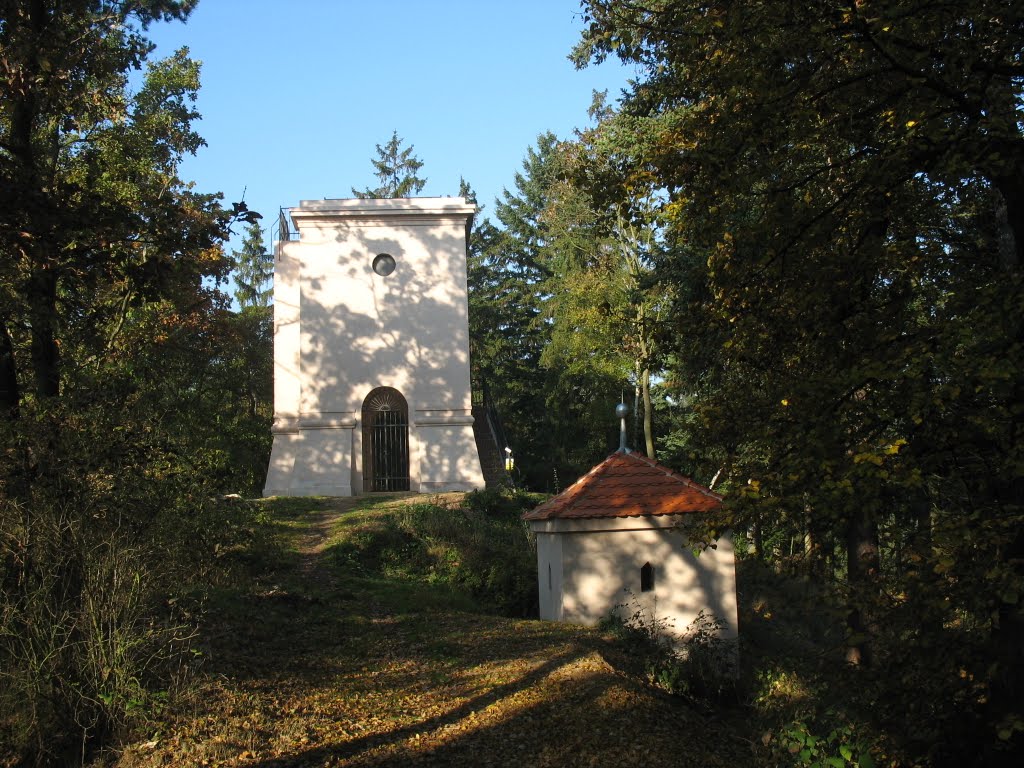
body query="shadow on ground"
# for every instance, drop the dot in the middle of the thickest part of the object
(310, 664)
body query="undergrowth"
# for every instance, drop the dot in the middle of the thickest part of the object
(478, 544)
(108, 540)
(699, 664)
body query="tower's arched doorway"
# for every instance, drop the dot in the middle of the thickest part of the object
(385, 441)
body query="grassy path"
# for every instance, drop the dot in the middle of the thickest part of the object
(312, 663)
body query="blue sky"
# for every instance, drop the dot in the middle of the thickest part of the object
(296, 95)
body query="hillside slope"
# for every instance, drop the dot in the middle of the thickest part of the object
(322, 660)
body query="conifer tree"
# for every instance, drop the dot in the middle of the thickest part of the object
(396, 169)
(254, 270)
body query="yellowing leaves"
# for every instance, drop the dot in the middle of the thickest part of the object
(870, 458)
(674, 210)
(894, 448)
(752, 489)
(877, 457)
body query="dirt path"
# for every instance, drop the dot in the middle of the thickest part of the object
(338, 669)
(316, 534)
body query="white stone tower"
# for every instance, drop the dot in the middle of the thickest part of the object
(371, 349)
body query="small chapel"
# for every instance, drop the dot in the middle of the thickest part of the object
(372, 384)
(616, 540)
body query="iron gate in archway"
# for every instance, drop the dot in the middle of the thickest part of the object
(385, 441)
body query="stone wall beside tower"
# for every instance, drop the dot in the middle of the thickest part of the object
(371, 350)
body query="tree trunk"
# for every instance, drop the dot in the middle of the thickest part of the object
(1007, 638)
(42, 296)
(34, 204)
(635, 439)
(645, 386)
(1007, 653)
(1008, 176)
(863, 567)
(812, 546)
(8, 374)
(1010, 216)
(758, 537)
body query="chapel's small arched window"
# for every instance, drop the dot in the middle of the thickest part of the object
(646, 577)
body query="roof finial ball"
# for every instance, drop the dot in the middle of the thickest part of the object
(622, 411)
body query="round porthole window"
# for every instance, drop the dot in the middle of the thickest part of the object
(384, 264)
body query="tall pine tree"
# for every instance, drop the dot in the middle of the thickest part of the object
(253, 270)
(396, 169)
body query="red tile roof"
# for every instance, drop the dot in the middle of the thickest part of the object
(628, 485)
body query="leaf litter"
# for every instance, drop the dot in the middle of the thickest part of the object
(309, 664)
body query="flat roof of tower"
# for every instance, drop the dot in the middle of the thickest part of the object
(434, 205)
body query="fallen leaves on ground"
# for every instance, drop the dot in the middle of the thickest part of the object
(324, 670)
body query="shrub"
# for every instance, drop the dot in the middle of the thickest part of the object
(479, 545)
(504, 503)
(102, 524)
(490, 553)
(838, 747)
(701, 664)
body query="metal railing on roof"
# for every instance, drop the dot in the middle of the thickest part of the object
(282, 229)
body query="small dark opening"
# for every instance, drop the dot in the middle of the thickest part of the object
(646, 577)
(384, 264)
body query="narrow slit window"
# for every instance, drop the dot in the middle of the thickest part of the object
(549, 576)
(646, 577)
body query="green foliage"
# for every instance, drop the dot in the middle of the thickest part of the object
(699, 664)
(253, 270)
(507, 333)
(128, 398)
(396, 168)
(607, 308)
(104, 523)
(838, 748)
(845, 246)
(556, 416)
(206, 375)
(480, 546)
(501, 503)
(564, 312)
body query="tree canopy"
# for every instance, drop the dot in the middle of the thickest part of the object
(121, 419)
(253, 270)
(844, 229)
(797, 239)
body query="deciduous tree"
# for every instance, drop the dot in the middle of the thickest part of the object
(606, 234)
(845, 237)
(108, 323)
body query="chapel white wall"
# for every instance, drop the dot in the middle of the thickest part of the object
(600, 571)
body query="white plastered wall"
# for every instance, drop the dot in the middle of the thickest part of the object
(549, 575)
(341, 330)
(598, 564)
